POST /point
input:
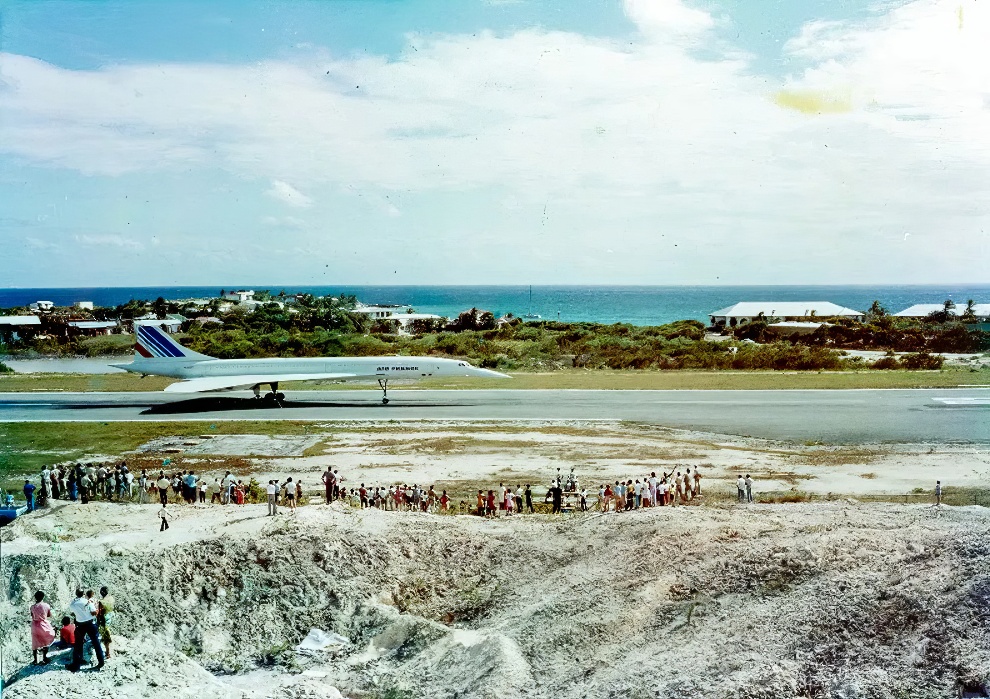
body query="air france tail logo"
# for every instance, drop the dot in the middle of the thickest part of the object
(153, 343)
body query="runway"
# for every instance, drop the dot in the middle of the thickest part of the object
(829, 416)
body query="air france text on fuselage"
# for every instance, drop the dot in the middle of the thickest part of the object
(398, 368)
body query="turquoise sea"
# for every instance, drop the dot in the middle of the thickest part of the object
(638, 305)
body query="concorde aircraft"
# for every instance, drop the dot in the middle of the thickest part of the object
(157, 354)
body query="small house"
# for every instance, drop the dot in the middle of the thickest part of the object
(776, 311)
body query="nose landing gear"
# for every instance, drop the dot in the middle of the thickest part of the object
(272, 396)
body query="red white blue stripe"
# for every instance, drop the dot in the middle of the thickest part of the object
(153, 343)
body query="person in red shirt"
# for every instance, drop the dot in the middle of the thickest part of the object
(491, 503)
(444, 501)
(66, 635)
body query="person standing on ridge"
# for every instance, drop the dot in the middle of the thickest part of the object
(529, 498)
(42, 633)
(938, 493)
(29, 488)
(749, 488)
(104, 618)
(740, 488)
(328, 480)
(272, 491)
(557, 494)
(163, 484)
(85, 627)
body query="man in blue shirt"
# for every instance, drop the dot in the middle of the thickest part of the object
(190, 481)
(29, 495)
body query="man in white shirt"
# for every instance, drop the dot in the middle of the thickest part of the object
(228, 488)
(163, 484)
(749, 488)
(272, 498)
(85, 626)
(740, 488)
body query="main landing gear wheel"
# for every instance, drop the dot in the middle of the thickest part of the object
(384, 401)
(384, 384)
(275, 395)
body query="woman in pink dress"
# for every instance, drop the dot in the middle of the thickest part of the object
(42, 633)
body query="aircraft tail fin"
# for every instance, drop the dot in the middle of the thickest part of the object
(150, 342)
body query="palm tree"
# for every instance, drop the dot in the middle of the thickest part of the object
(877, 310)
(969, 315)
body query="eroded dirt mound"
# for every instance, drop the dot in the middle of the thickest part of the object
(825, 600)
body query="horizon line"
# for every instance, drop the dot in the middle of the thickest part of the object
(267, 287)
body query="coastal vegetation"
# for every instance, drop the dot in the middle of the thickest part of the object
(308, 326)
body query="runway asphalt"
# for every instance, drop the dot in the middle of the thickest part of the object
(829, 416)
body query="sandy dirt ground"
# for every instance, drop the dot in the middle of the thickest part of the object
(464, 457)
(841, 598)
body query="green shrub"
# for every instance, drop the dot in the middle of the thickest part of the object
(922, 360)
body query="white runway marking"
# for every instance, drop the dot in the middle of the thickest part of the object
(965, 400)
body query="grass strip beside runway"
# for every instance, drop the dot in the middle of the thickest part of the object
(26, 446)
(564, 379)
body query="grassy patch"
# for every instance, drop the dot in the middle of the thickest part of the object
(81, 383)
(26, 446)
(565, 379)
(839, 457)
(721, 380)
(446, 444)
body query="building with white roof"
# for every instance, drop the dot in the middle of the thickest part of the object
(396, 313)
(923, 310)
(14, 327)
(748, 311)
(94, 327)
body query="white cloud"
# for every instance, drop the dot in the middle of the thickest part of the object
(883, 131)
(38, 244)
(109, 240)
(287, 194)
(284, 222)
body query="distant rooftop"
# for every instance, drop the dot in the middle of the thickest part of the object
(921, 310)
(20, 320)
(784, 309)
(93, 324)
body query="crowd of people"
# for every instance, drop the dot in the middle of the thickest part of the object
(88, 618)
(115, 481)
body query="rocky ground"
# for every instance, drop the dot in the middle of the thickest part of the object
(830, 599)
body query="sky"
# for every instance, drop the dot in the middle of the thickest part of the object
(154, 142)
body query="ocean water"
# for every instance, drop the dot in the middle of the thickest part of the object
(638, 305)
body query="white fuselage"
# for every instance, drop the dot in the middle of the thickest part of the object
(361, 367)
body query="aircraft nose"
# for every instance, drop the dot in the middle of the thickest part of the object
(488, 373)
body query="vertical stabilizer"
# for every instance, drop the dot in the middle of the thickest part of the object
(151, 342)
